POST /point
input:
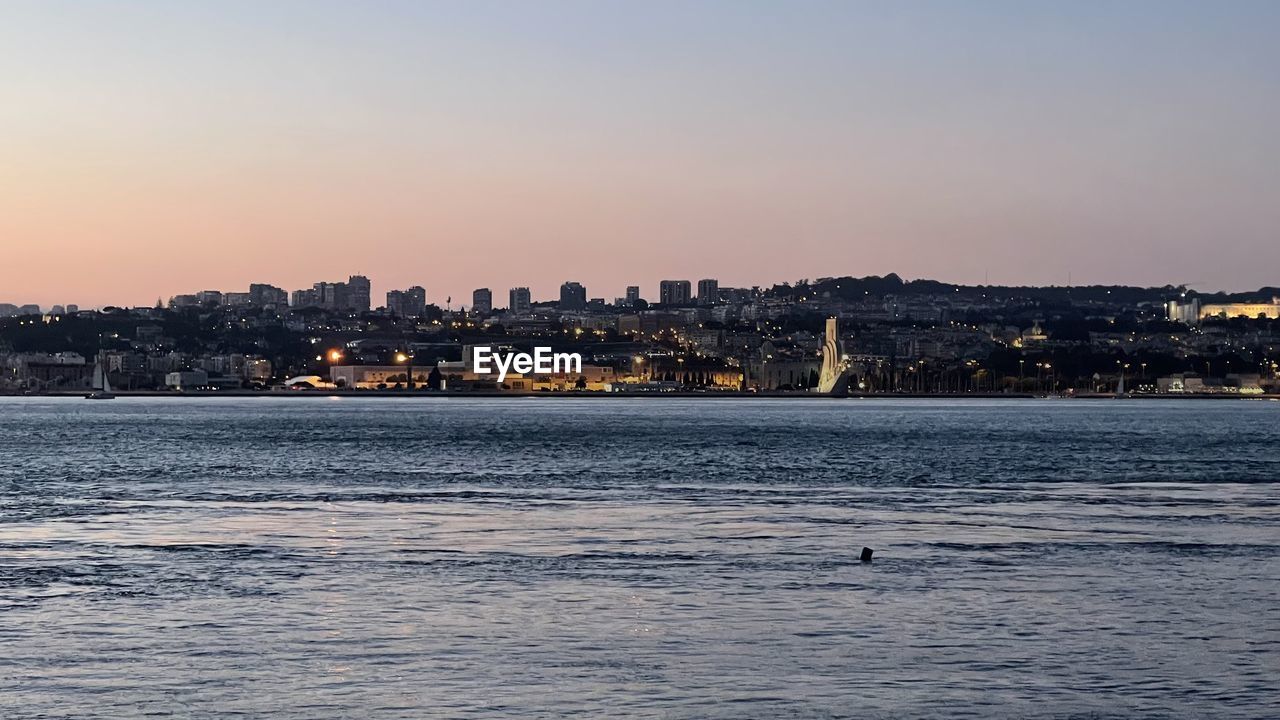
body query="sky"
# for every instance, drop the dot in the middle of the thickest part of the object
(155, 148)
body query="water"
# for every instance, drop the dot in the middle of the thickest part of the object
(333, 558)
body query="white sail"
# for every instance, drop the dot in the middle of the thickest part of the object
(101, 383)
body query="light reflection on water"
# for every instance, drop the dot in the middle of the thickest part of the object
(647, 558)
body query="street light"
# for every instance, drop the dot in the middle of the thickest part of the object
(333, 356)
(404, 357)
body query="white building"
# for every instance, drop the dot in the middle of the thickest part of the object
(186, 379)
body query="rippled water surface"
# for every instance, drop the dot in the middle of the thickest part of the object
(382, 558)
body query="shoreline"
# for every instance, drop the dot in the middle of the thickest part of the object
(426, 395)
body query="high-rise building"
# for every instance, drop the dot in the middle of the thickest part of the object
(482, 301)
(330, 296)
(415, 299)
(708, 291)
(395, 302)
(407, 303)
(573, 296)
(357, 294)
(520, 304)
(674, 292)
(633, 294)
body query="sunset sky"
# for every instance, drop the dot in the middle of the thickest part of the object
(155, 148)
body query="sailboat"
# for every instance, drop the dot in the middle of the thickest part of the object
(101, 384)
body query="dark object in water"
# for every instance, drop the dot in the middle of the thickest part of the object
(866, 555)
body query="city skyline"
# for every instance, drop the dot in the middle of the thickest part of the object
(686, 290)
(836, 335)
(155, 148)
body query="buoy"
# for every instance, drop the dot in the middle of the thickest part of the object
(866, 554)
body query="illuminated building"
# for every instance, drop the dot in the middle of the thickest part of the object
(1269, 310)
(377, 377)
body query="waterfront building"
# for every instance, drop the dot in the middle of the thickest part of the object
(56, 371)
(186, 379)
(377, 377)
